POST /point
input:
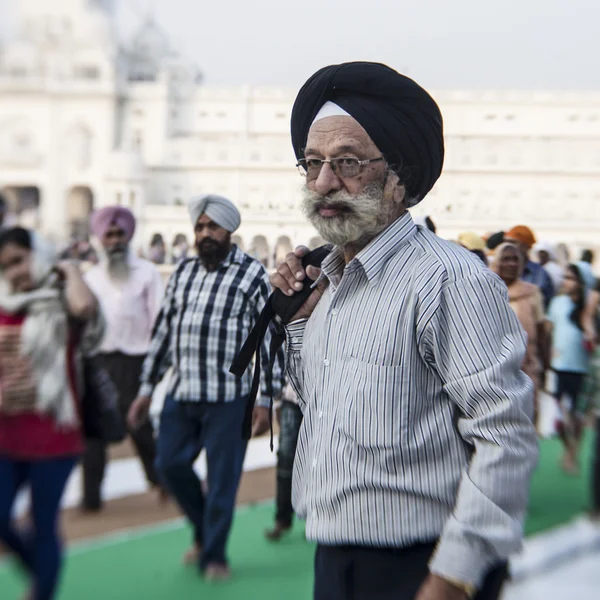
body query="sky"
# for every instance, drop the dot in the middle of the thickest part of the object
(460, 44)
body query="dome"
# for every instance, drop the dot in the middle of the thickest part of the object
(150, 41)
(148, 49)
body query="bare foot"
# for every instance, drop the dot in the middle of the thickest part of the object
(275, 534)
(569, 464)
(162, 495)
(217, 572)
(192, 555)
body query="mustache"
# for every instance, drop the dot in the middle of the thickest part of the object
(117, 251)
(338, 201)
(359, 216)
(210, 248)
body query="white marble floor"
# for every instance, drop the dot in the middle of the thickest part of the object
(579, 578)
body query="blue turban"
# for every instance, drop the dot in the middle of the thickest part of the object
(220, 210)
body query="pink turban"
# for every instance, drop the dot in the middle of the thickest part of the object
(102, 220)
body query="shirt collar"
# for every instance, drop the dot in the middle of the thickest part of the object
(375, 255)
(235, 256)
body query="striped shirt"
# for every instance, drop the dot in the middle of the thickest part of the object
(417, 417)
(204, 319)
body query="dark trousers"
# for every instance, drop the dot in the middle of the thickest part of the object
(125, 373)
(40, 550)
(596, 469)
(290, 420)
(185, 429)
(355, 573)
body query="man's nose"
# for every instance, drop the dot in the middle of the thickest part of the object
(327, 181)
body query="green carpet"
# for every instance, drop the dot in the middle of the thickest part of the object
(147, 565)
(555, 496)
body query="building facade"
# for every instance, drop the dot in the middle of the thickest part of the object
(86, 121)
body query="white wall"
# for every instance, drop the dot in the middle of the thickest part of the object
(512, 156)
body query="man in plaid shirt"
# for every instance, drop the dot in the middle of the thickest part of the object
(211, 304)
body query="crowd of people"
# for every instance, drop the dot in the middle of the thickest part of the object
(556, 303)
(406, 393)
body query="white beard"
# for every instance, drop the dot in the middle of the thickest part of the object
(116, 265)
(365, 215)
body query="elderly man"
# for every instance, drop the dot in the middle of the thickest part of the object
(130, 291)
(211, 304)
(534, 273)
(417, 446)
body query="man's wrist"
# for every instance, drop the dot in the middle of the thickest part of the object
(467, 588)
(146, 389)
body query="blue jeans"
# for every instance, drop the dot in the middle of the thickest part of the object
(40, 551)
(185, 429)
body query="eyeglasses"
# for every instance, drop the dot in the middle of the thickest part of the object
(344, 166)
(116, 234)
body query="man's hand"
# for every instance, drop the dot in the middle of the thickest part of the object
(260, 420)
(290, 276)
(138, 412)
(66, 269)
(436, 588)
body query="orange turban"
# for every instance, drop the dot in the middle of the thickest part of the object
(521, 234)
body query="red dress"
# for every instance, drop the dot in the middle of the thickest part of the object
(30, 435)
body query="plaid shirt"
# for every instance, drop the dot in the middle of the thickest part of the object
(204, 319)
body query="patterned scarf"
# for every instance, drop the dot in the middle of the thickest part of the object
(35, 370)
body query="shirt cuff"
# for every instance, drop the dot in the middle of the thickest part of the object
(264, 401)
(294, 333)
(146, 389)
(457, 560)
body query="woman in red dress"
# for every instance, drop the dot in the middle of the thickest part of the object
(42, 304)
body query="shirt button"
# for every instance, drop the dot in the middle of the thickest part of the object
(314, 463)
(320, 414)
(334, 312)
(296, 340)
(326, 362)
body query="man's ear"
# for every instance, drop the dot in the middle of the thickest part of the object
(394, 191)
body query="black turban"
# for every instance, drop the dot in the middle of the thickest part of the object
(400, 117)
(495, 240)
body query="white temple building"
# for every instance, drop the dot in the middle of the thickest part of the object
(87, 120)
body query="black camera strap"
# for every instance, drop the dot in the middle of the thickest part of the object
(278, 309)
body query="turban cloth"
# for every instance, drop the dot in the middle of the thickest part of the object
(546, 247)
(495, 240)
(522, 234)
(220, 210)
(400, 117)
(102, 220)
(471, 241)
